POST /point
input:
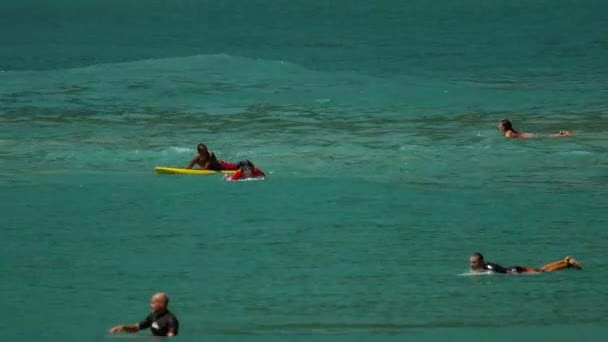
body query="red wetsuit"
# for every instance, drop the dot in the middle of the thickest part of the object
(218, 164)
(255, 173)
(228, 166)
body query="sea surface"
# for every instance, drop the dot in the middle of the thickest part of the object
(376, 123)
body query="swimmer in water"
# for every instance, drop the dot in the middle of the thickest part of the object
(506, 128)
(208, 161)
(161, 321)
(246, 171)
(478, 264)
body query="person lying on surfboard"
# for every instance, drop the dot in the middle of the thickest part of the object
(506, 128)
(246, 171)
(478, 264)
(208, 161)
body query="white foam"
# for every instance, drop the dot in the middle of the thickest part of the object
(181, 149)
(245, 179)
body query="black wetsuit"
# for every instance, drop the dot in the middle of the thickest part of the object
(499, 269)
(214, 164)
(161, 324)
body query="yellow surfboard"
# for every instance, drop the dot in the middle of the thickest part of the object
(184, 171)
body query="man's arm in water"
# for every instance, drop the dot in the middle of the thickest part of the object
(562, 134)
(130, 328)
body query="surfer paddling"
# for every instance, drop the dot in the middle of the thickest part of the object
(208, 161)
(506, 128)
(478, 264)
(246, 171)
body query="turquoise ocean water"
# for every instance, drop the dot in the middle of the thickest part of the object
(376, 123)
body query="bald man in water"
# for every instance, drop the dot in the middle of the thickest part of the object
(161, 321)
